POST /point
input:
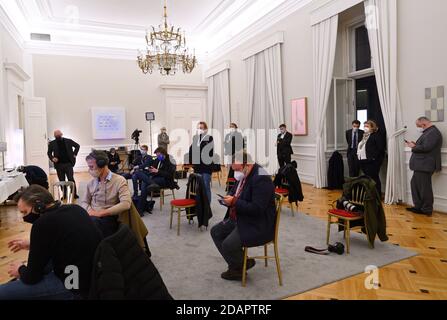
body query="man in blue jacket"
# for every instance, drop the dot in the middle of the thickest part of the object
(250, 220)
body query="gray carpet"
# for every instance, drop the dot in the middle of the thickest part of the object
(191, 266)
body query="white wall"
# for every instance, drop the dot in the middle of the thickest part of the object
(421, 58)
(73, 85)
(422, 64)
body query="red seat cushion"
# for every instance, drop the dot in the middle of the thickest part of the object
(344, 214)
(281, 191)
(231, 180)
(183, 202)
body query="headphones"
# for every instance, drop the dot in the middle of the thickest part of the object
(102, 160)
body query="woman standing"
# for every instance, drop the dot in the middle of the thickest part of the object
(371, 151)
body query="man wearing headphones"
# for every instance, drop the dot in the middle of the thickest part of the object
(107, 194)
(61, 249)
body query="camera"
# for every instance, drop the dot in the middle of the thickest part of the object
(349, 206)
(136, 136)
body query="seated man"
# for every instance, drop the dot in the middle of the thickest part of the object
(107, 194)
(61, 249)
(137, 163)
(114, 160)
(35, 175)
(250, 219)
(158, 174)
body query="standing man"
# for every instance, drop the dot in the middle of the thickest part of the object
(425, 161)
(201, 154)
(63, 152)
(353, 137)
(163, 139)
(284, 146)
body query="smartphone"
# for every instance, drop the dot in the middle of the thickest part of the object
(406, 141)
(220, 196)
(222, 203)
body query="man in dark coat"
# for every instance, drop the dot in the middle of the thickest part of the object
(63, 152)
(250, 219)
(353, 137)
(35, 175)
(425, 161)
(284, 146)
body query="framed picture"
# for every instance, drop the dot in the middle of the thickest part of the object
(299, 117)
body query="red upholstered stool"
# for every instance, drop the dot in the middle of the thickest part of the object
(284, 193)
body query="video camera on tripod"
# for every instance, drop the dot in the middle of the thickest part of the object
(136, 136)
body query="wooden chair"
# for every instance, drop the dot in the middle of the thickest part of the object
(60, 186)
(283, 191)
(345, 218)
(185, 204)
(231, 182)
(163, 194)
(266, 257)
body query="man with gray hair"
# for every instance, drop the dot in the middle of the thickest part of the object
(425, 161)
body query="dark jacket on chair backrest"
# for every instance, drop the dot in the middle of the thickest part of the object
(255, 209)
(290, 173)
(375, 221)
(202, 209)
(335, 172)
(122, 271)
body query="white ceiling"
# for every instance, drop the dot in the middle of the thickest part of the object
(116, 28)
(133, 13)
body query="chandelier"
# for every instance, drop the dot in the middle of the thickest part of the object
(166, 50)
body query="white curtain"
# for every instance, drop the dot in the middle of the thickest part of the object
(324, 46)
(265, 101)
(381, 22)
(219, 114)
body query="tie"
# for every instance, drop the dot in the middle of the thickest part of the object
(354, 141)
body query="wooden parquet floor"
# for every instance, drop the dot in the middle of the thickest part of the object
(420, 278)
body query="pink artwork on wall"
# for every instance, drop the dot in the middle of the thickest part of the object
(299, 117)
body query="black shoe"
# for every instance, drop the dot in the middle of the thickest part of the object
(250, 263)
(76, 196)
(232, 275)
(423, 213)
(414, 210)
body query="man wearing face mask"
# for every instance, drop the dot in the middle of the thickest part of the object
(107, 194)
(159, 174)
(353, 137)
(139, 162)
(201, 154)
(63, 152)
(61, 237)
(250, 219)
(425, 161)
(114, 160)
(163, 139)
(234, 142)
(284, 146)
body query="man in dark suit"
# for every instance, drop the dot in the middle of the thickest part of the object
(353, 137)
(250, 219)
(425, 161)
(63, 152)
(284, 146)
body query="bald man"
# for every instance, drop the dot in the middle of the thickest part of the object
(63, 152)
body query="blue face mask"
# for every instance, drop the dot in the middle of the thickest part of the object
(161, 157)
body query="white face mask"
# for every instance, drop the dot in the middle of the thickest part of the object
(239, 175)
(420, 130)
(367, 130)
(200, 131)
(233, 130)
(355, 129)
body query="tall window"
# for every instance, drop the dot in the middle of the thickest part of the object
(359, 49)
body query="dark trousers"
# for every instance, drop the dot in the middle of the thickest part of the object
(371, 168)
(353, 164)
(227, 240)
(422, 191)
(107, 225)
(65, 170)
(147, 180)
(284, 159)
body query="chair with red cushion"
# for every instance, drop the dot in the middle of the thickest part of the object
(345, 218)
(185, 204)
(230, 184)
(284, 193)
